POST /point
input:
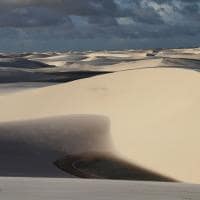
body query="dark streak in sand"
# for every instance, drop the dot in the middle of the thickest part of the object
(101, 166)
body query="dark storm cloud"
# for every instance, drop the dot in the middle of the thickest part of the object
(31, 17)
(90, 19)
(70, 7)
(91, 8)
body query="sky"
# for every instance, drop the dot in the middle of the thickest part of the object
(59, 25)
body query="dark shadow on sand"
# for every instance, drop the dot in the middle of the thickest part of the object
(107, 166)
(29, 148)
(33, 148)
(17, 76)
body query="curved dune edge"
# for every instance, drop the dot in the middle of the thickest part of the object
(30, 148)
(154, 114)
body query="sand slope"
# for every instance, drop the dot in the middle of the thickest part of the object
(29, 148)
(154, 114)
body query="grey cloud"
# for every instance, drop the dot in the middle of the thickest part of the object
(103, 21)
(91, 19)
(31, 17)
(52, 12)
(70, 7)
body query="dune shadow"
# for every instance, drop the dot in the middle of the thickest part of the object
(65, 146)
(29, 148)
(107, 166)
(8, 75)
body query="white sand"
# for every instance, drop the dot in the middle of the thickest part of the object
(181, 53)
(116, 54)
(6, 88)
(154, 114)
(140, 64)
(75, 189)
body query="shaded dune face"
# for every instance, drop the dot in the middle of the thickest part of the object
(23, 63)
(107, 166)
(65, 146)
(18, 76)
(29, 148)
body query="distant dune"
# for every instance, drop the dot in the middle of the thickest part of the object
(144, 112)
(55, 67)
(22, 63)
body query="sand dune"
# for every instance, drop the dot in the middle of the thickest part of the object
(19, 76)
(29, 148)
(193, 53)
(7, 88)
(56, 67)
(148, 98)
(153, 114)
(80, 145)
(22, 63)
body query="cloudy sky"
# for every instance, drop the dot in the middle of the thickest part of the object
(40, 25)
